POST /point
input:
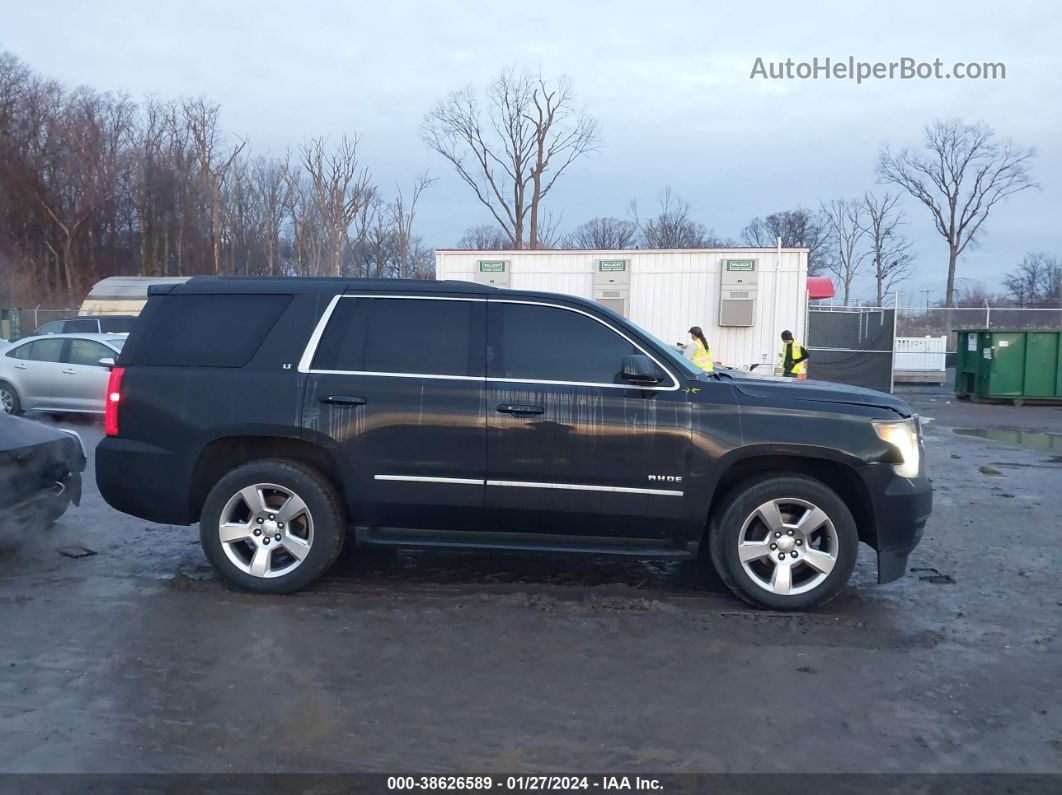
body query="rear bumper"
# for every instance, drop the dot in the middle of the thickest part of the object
(143, 480)
(901, 508)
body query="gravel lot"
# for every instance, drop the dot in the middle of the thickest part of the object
(138, 659)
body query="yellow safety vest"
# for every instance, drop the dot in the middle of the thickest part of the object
(797, 351)
(703, 357)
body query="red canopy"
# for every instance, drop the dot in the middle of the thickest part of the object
(819, 287)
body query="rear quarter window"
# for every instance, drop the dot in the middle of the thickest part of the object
(208, 330)
(82, 325)
(116, 325)
(409, 336)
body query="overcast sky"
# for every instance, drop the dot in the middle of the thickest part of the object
(668, 81)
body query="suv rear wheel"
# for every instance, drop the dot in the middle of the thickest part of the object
(784, 542)
(272, 526)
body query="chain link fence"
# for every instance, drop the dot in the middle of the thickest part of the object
(852, 345)
(940, 323)
(17, 323)
(877, 347)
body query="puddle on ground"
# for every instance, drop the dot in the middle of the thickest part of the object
(1037, 439)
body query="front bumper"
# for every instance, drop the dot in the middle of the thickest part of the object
(901, 507)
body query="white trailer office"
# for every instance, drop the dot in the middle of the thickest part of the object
(743, 298)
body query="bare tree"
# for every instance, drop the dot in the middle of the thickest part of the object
(485, 237)
(974, 294)
(604, 233)
(307, 238)
(960, 176)
(845, 222)
(1036, 281)
(215, 160)
(672, 226)
(93, 186)
(271, 190)
(532, 133)
(797, 228)
(890, 252)
(402, 213)
(83, 176)
(341, 187)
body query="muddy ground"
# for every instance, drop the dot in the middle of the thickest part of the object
(138, 659)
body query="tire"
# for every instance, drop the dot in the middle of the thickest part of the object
(819, 557)
(309, 543)
(9, 402)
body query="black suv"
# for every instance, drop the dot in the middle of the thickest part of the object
(279, 412)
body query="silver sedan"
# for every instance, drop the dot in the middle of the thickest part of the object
(57, 372)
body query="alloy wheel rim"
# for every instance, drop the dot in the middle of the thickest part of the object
(788, 546)
(266, 530)
(7, 401)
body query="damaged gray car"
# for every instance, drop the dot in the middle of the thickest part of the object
(40, 472)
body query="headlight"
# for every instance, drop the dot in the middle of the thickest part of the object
(902, 435)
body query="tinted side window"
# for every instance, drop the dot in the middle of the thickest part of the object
(116, 325)
(399, 335)
(87, 352)
(47, 350)
(82, 325)
(21, 352)
(208, 330)
(54, 327)
(548, 344)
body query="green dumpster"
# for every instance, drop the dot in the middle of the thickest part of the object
(1011, 365)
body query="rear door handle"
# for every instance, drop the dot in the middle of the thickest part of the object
(20, 367)
(344, 400)
(520, 411)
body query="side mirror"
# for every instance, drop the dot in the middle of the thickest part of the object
(639, 369)
(108, 362)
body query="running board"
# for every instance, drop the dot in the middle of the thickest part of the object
(537, 542)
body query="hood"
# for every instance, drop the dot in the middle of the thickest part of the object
(769, 386)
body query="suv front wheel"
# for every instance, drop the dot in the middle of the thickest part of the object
(272, 526)
(784, 542)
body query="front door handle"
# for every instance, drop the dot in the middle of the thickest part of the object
(344, 400)
(69, 372)
(520, 411)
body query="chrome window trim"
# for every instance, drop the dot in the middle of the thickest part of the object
(315, 338)
(399, 375)
(529, 484)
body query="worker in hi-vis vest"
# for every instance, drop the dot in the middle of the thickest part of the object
(794, 357)
(698, 351)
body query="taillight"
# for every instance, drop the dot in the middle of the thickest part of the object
(114, 395)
